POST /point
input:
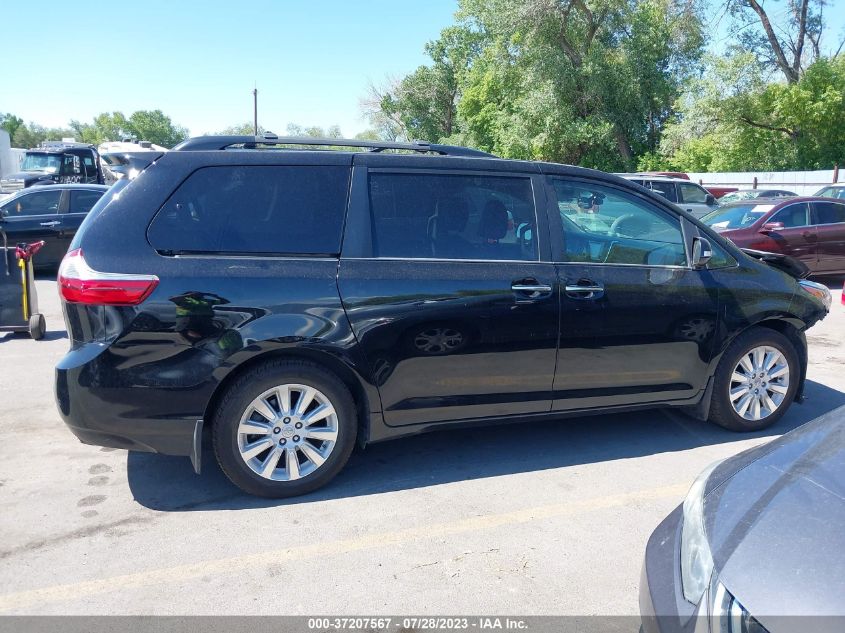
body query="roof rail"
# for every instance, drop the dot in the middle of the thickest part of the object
(59, 145)
(206, 143)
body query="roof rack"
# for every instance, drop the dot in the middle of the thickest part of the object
(60, 145)
(206, 143)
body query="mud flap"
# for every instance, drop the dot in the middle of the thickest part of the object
(196, 447)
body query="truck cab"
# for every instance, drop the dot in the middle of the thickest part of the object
(55, 162)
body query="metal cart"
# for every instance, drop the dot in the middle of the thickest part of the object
(18, 297)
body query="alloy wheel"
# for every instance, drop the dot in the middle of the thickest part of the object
(287, 432)
(759, 383)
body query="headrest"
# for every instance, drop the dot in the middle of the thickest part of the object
(494, 221)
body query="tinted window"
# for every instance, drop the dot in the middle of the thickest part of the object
(452, 217)
(604, 225)
(281, 210)
(691, 193)
(791, 216)
(829, 212)
(665, 189)
(82, 201)
(41, 203)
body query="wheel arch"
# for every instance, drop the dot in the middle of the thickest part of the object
(791, 327)
(323, 359)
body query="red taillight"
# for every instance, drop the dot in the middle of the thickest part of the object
(79, 283)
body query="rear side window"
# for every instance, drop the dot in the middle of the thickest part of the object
(453, 216)
(829, 212)
(83, 201)
(792, 216)
(665, 189)
(287, 210)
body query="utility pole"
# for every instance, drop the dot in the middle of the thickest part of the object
(255, 109)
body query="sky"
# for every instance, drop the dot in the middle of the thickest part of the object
(311, 61)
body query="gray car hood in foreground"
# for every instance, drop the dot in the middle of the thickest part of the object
(777, 526)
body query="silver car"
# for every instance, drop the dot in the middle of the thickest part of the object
(759, 543)
(692, 198)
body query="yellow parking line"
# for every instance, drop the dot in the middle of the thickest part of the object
(263, 559)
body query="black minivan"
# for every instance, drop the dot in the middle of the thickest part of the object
(293, 301)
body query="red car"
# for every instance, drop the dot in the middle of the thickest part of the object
(809, 229)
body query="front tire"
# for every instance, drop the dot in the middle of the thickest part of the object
(755, 382)
(284, 429)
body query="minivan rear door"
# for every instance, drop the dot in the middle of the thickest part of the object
(443, 281)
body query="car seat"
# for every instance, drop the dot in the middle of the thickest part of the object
(445, 227)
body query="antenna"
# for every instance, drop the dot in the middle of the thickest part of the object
(255, 109)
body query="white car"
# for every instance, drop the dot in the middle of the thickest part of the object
(832, 191)
(689, 196)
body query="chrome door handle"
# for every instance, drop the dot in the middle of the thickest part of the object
(586, 291)
(527, 288)
(53, 223)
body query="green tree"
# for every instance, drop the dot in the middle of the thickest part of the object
(10, 123)
(156, 127)
(244, 129)
(586, 83)
(735, 120)
(590, 82)
(424, 104)
(790, 44)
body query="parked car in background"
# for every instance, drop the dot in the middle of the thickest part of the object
(52, 214)
(810, 229)
(832, 191)
(298, 301)
(126, 165)
(691, 197)
(758, 544)
(718, 190)
(55, 162)
(751, 194)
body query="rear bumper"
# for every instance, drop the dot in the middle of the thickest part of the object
(104, 404)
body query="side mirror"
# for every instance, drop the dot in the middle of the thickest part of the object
(769, 227)
(702, 251)
(710, 200)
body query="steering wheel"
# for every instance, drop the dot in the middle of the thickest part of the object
(632, 224)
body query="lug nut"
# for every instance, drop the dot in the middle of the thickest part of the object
(295, 438)
(286, 420)
(277, 430)
(282, 441)
(298, 425)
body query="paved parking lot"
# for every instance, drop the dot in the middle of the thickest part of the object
(541, 518)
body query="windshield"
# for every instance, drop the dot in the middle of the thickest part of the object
(46, 163)
(831, 192)
(736, 217)
(735, 196)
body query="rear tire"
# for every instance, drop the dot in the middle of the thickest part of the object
(755, 381)
(284, 428)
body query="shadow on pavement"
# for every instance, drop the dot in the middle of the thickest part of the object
(169, 484)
